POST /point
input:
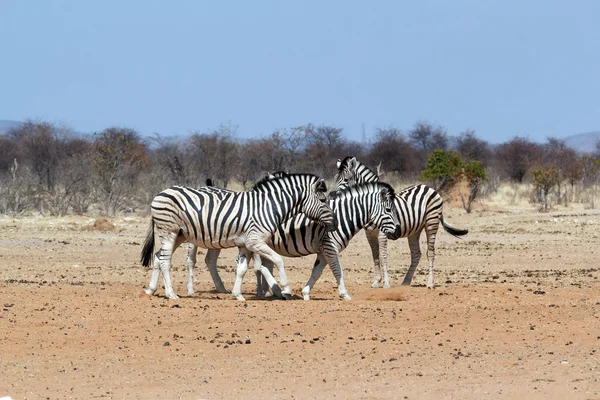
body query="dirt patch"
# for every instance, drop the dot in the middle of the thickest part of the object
(103, 225)
(391, 294)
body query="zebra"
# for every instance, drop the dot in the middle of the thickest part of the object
(419, 207)
(365, 205)
(216, 219)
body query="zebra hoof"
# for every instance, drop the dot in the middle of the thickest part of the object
(286, 296)
(306, 293)
(276, 291)
(239, 297)
(345, 296)
(375, 285)
(172, 296)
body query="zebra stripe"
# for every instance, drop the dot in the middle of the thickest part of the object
(419, 208)
(217, 219)
(365, 205)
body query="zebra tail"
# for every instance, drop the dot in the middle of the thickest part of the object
(148, 248)
(456, 232)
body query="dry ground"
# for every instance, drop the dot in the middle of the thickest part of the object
(515, 315)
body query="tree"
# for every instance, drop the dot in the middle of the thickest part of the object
(517, 156)
(325, 144)
(40, 146)
(118, 157)
(215, 155)
(393, 151)
(558, 155)
(426, 138)
(475, 175)
(470, 147)
(443, 169)
(544, 179)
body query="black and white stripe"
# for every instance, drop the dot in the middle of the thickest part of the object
(419, 208)
(216, 219)
(365, 205)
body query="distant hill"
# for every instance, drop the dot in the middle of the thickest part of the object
(583, 142)
(6, 125)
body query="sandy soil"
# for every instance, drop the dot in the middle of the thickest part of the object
(515, 315)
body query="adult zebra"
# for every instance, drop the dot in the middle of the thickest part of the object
(365, 205)
(216, 219)
(419, 207)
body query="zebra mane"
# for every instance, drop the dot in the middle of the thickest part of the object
(281, 175)
(349, 189)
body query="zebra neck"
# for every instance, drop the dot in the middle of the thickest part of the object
(365, 175)
(283, 206)
(353, 212)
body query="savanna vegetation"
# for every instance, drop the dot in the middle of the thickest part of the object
(46, 168)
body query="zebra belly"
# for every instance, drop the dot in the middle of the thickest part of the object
(298, 242)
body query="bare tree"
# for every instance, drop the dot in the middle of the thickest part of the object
(118, 158)
(215, 154)
(394, 152)
(426, 137)
(567, 164)
(471, 148)
(516, 157)
(325, 145)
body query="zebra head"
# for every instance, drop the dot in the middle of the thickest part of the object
(385, 215)
(316, 206)
(351, 172)
(346, 174)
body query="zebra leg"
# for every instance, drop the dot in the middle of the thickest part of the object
(190, 262)
(331, 256)
(372, 238)
(266, 252)
(415, 257)
(383, 259)
(153, 285)
(431, 232)
(162, 263)
(170, 242)
(211, 261)
(241, 268)
(314, 276)
(262, 288)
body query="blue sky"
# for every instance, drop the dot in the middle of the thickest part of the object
(503, 68)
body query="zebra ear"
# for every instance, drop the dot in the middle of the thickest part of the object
(320, 186)
(384, 194)
(338, 163)
(352, 164)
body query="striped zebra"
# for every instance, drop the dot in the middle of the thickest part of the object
(365, 205)
(419, 208)
(216, 219)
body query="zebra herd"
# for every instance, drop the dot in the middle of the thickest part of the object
(290, 215)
